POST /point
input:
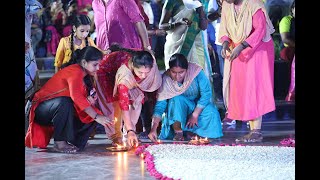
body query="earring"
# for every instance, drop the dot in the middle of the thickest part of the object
(83, 64)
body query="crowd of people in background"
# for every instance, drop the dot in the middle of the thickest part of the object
(211, 50)
(53, 22)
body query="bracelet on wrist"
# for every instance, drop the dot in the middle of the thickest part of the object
(148, 47)
(173, 25)
(244, 46)
(132, 131)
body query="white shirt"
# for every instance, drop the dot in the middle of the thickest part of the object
(213, 6)
(148, 10)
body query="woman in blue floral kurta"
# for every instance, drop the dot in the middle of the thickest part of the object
(185, 99)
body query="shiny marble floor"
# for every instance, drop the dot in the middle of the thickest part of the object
(97, 163)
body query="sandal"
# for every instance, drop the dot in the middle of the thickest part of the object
(67, 150)
(178, 136)
(75, 147)
(190, 135)
(252, 137)
(228, 121)
(93, 133)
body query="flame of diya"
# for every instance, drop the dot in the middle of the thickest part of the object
(199, 141)
(118, 147)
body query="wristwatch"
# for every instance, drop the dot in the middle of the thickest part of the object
(149, 48)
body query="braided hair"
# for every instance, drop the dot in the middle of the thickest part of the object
(78, 21)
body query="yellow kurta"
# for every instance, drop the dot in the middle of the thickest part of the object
(63, 54)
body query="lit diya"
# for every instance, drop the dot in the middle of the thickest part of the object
(199, 141)
(118, 148)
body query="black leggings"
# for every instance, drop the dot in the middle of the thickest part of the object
(60, 113)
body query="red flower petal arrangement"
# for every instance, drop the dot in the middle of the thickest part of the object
(289, 142)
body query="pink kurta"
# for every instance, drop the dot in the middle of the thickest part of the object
(252, 75)
(115, 23)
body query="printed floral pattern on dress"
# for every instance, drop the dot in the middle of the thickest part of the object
(124, 101)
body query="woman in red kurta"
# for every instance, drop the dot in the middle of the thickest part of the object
(123, 77)
(65, 106)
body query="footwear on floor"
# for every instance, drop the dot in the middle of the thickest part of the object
(75, 147)
(253, 137)
(178, 136)
(66, 149)
(190, 135)
(227, 121)
(231, 127)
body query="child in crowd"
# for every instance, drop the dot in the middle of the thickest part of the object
(78, 39)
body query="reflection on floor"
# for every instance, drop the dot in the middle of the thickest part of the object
(97, 163)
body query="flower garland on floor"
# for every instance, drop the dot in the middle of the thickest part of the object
(168, 154)
(289, 142)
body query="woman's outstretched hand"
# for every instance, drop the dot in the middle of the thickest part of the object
(104, 120)
(132, 139)
(153, 136)
(192, 121)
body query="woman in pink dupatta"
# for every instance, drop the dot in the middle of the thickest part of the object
(245, 32)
